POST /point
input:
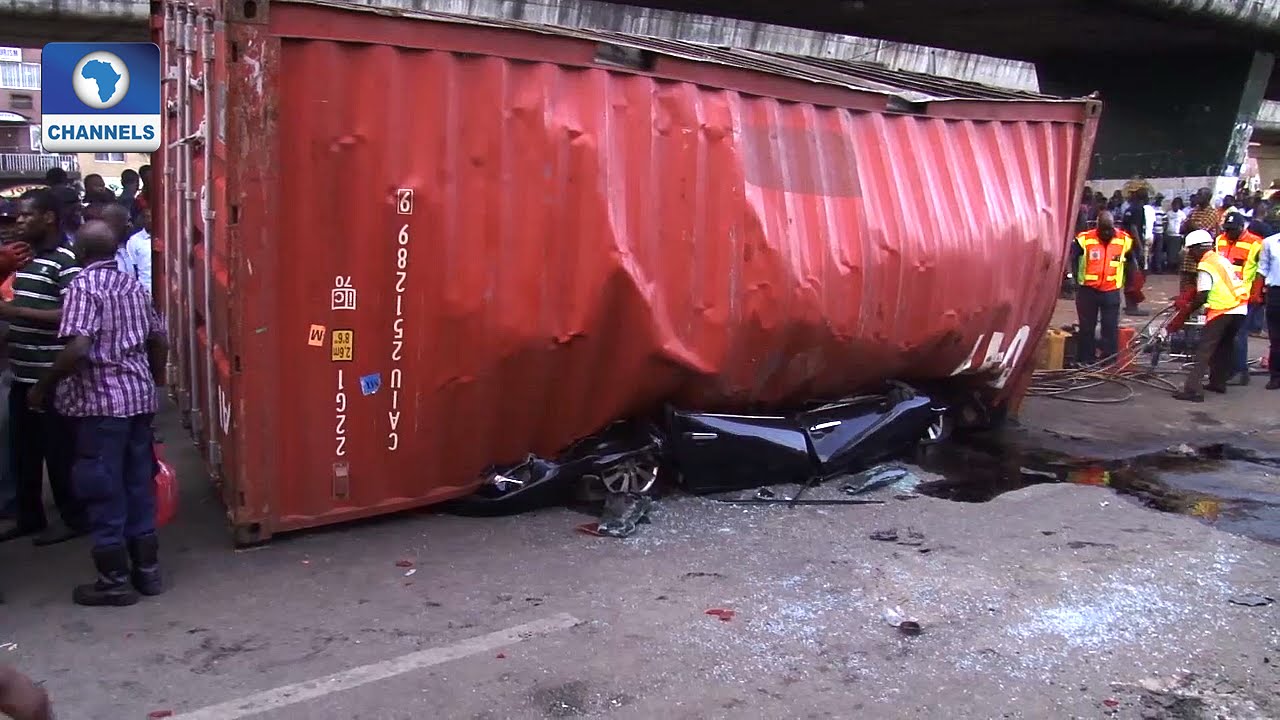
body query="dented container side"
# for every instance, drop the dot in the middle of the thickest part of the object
(427, 261)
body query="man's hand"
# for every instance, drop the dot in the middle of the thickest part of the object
(8, 311)
(36, 396)
(14, 256)
(20, 698)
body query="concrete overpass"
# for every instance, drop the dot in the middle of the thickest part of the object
(1183, 80)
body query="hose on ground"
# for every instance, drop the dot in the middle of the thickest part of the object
(1119, 373)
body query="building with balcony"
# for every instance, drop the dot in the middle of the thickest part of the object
(23, 161)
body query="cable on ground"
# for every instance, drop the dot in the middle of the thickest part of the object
(1120, 379)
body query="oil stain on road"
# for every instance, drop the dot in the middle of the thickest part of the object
(1234, 489)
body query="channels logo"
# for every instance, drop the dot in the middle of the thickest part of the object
(100, 97)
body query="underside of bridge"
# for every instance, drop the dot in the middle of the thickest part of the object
(1181, 80)
(1030, 30)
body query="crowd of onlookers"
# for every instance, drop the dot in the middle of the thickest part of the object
(43, 236)
(1161, 224)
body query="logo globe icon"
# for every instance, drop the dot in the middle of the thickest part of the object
(100, 80)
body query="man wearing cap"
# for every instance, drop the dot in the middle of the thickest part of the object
(1219, 289)
(1242, 248)
(1101, 258)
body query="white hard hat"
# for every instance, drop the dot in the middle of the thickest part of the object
(1198, 237)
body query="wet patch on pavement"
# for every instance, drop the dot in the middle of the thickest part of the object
(1231, 488)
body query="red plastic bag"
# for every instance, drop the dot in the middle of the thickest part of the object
(166, 488)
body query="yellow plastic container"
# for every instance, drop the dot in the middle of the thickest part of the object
(1051, 351)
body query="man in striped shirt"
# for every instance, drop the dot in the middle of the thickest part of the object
(40, 438)
(106, 381)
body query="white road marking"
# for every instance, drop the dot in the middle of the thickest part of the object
(355, 677)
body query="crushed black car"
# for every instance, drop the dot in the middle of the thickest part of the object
(713, 452)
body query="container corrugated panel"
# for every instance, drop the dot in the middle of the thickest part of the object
(435, 245)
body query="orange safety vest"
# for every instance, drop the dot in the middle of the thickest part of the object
(1241, 252)
(1102, 264)
(1228, 292)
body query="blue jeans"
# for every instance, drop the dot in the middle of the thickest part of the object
(1240, 360)
(1257, 318)
(114, 475)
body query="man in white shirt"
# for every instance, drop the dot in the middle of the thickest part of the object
(1153, 233)
(134, 254)
(1174, 220)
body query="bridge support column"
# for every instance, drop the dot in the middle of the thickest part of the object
(1180, 121)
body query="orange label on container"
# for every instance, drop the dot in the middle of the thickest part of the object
(342, 345)
(315, 337)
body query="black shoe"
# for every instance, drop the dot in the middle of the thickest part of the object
(55, 535)
(144, 552)
(1220, 389)
(1136, 312)
(112, 587)
(1274, 384)
(1188, 397)
(16, 532)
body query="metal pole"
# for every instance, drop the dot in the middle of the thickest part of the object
(189, 216)
(206, 87)
(166, 222)
(179, 245)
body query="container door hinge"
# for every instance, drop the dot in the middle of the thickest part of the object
(210, 47)
(215, 454)
(197, 423)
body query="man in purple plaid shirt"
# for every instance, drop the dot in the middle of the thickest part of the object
(105, 383)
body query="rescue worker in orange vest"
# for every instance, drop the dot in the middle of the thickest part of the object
(1242, 248)
(1226, 297)
(1101, 258)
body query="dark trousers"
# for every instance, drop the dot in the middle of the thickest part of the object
(1172, 253)
(1214, 353)
(1092, 305)
(40, 440)
(1155, 259)
(1273, 329)
(114, 473)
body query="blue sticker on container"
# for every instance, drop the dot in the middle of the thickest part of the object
(370, 384)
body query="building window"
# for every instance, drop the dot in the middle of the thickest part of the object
(109, 157)
(12, 54)
(21, 101)
(35, 138)
(20, 76)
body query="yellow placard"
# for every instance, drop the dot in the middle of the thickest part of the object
(315, 336)
(342, 345)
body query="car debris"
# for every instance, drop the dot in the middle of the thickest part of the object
(1251, 600)
(721, 613)
(891, 475)
(631, 461)
(896, 619)
(625, 457)
(909, 536)
(721, 453)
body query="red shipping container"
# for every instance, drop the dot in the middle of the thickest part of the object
(398, 249)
